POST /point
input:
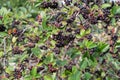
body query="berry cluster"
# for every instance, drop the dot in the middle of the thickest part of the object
(85, 11)
(68, 2)
(49, 4)
(63, 40)
(17, 50)
(17, 74)
(33, 39)
(15, 23)
(105, 16)
(72, 18)
(51, 68)
(43, 47)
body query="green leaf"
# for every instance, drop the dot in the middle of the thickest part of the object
(115, 10)
(103, 47)
(4, 11)
(82, 33)
(38, 76)
(90, 44)
(105, 5)
(34, 71)
(72, 52)
(75, 76)
(113, 21)
(74, 69)
(48, 77)
(95, 7)
(86, 55)
(44, 25)
(23, 57)
(23, 9)
(84, 64)
(9, 69)
(87, 76)
(1, 53)
(3, 34)
(118, 44)
(118, 10)
(61, 63)
(36, 51)
(49, 58)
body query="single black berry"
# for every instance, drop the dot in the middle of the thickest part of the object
(2, 27)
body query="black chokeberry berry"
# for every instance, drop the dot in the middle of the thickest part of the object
(89, 37)
(17, 50)
(56, 50)
(115, 37)
(39, 69)
(17, 74)
(2, 28)
(43, 47)
(69, 29)
(77, 31)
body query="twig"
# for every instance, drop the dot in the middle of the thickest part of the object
(4, 59)
(23, 32)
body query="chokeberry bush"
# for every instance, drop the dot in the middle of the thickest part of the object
(59, 40)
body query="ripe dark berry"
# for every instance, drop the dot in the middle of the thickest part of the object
(67, 2)
(85, 11)
(86, 26)
(76, 4)
(89, 37)
(22, 66)
(93, 19)
(114, 38)
(56, 50)
(93, 50)
(17, 74)
(69, 29)
(57, 24)
(71, 37)
(43, 47)
(60, 44)
(100, 17)
(2, 27)
(49, 4)
(50, 65)
(70, 20)
(68, 67)
(39, 69)
(16, 50)
(54, 5)
(77, 31)
(16, 32)
(45, 4)
(15, 22)
(97, 73)
(63, 40)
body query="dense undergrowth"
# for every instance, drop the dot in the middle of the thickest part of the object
(45, 40)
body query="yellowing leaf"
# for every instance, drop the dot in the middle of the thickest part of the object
(14, 39)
